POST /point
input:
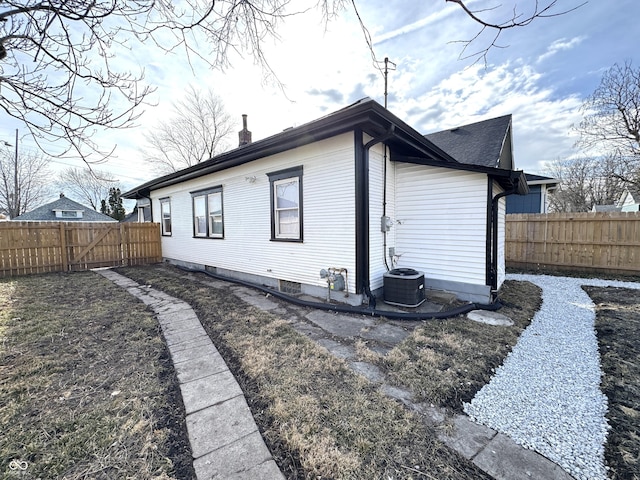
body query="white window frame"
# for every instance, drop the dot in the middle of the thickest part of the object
(165, 216)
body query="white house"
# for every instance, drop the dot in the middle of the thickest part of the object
(357, 190)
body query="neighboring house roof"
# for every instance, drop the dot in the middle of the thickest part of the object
(541, 180)
(405, 143)
(605, 208)
(47, 213)
(486, 143)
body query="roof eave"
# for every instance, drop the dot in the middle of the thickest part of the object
(370, 116)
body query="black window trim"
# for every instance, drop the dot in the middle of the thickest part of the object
(162, 201)
(204, 193)
(283, 175)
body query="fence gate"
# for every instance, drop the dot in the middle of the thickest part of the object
(38, 247)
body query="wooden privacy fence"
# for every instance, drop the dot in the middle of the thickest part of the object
(606, 242)
(38, 247)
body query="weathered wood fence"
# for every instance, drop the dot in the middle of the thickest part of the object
(38, 247)
(604, 242)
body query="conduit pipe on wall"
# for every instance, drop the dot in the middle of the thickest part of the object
(369, 310)
(364, 260)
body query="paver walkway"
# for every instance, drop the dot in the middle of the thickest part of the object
(225, 441)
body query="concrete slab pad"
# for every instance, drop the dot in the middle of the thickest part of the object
(367, 370)
(468, 438)
(255, 299)
(315, 333)
(179, 316)
(195, 343)
(490, 318)
(181, 336)
(200, 367)
(197, 350)
(172, 326)
(164, 307)
(207, 391)
(219, 425)
(339, 325)
(386, 333)
(337, 349)
(238, 457)
(396, 393)
(267, 471)
(505, 460)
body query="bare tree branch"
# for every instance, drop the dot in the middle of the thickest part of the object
(196, 132)
(493, 19)
(32, 175)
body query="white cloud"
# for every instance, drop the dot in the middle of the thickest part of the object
(561, 45)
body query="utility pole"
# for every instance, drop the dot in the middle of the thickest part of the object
(16, 189)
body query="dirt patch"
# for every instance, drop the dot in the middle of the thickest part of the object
(87, 386)
(618, 330)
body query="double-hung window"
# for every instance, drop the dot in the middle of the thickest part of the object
(286, 204)
(208, 219)
(165, 213)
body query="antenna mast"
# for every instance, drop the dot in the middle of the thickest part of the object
(387, 62)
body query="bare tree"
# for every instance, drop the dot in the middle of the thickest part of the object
(612, 113)
(495, 19)
(196, 132)
(58, 74)
(587, 181)
(87, 186)
(24, 181)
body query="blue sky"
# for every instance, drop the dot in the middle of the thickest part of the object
(542, 76)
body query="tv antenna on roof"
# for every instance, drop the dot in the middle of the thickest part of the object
(387, 67)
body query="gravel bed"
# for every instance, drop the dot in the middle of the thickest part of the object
(546, 396)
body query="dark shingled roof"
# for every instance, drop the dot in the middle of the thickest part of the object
(479, 143)
(46, 213)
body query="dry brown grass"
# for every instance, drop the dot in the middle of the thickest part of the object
(445, 362)
(319, 419)
(618, 328)
(86, 384)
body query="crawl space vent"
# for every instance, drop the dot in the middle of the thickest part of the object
(286, 286)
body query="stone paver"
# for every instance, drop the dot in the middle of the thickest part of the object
(225, 440)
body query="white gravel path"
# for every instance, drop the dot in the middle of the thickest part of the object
(546, 396)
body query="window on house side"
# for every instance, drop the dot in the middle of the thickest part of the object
(207, 213)
(165, 210)
(286, 204)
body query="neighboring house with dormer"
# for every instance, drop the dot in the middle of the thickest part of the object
(63, 210)
(629, 201)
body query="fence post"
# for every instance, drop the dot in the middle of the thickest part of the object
(124, 246)
(63, 247)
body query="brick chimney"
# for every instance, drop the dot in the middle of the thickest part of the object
(244, 135)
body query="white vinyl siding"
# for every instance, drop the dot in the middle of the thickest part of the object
(440, 224)
(329, 216)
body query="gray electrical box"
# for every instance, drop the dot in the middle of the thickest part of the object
(385, 224)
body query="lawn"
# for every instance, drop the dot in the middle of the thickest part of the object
(89, 391)
(87, 387)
